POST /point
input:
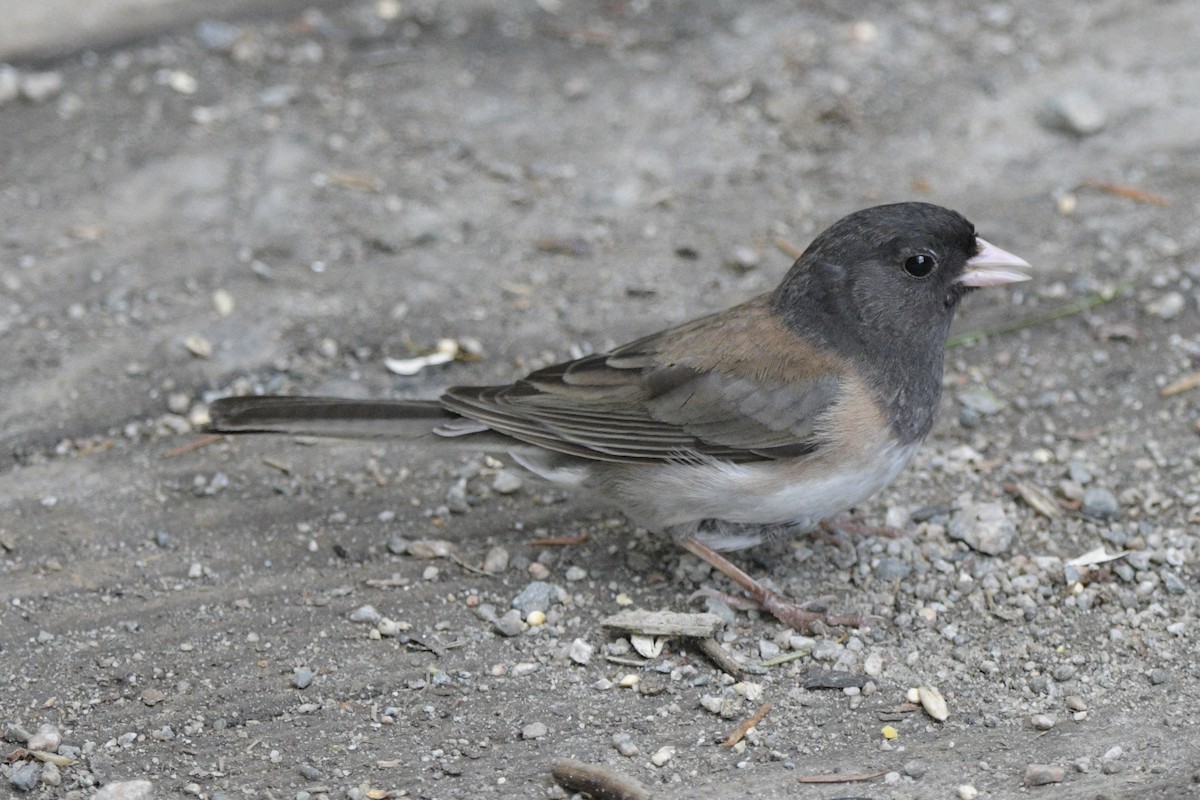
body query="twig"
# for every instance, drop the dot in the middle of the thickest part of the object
(558, 541)
(788, 248)
(740, 731)
(720, 659)
(1184, 384)
(596, 781)
(850, 777)
(203, 441)
(1128, 192)
(1069, 310)
(664, 623)
(785, 658)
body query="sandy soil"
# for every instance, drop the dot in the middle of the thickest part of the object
(283, 204)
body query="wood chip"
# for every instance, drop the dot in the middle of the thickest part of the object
(596, 781)
(741, 730)
(664, 623)
(1038, 499)
(720, 659)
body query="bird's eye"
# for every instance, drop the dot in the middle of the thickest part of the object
(919, 266)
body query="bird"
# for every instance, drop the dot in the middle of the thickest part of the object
(738, 427)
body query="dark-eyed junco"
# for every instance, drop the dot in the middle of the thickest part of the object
(741, 425)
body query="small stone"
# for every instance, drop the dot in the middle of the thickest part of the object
(302, 677)
(16, 734)
(536, 618)
(581, 652)
(47, 738)
(153, 697)
(1043, 722)
(873, 665)
(892, 569)
(38, 87)
(625, 745)
(496, 560)
(767, 649)
(1168, 306)
(10, 83)
(534, 730)
(1076, 703)
(1100, 502)
(389, 628)
(744, 259)
(366, 613)
(916, 768)
(1157, 676)
(538, 596)
(662, 756)
(983, 527)
(506, 482)
(456, 498)
(511, 624)
(967, 792)
(1079, 473)
(51, 775)
(217, 36)
(982, 401)
(198, 346)
(26, 777)
(1073, 112)
(575, 573)
(126, 790)
(1042, 774)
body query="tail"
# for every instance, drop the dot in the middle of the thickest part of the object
(327, 416)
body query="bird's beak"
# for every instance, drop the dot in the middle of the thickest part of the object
(991, 266)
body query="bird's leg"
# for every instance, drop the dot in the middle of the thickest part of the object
(853, 525)
(791, 614)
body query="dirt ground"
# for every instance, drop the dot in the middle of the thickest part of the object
(280, 204)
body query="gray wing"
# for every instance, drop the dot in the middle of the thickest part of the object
(631, 406)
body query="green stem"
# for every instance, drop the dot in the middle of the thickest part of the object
(1069, 310)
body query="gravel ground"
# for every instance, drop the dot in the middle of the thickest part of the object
(283, 204)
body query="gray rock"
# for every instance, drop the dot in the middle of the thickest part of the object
(507, 482)
(981, 400)
(26, 777)
(10, 83)
(1074, 112)
(302, 677)
(1100, 502)
(496, 560)
(1079, 473)
(538, 596)
(510, 624)
(983, 527)
(126, 790)
(217, 36)
(534, 730)
(456, 498)
(38, 87)
(367, 613)
(891, 569)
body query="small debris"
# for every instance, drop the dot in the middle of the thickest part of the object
(302, 677)
(581, 652)
(126, 790)
(663, 755)
(741, 730)
(967, 792)
(889, 732)
(534, 730)
(507, 481)
(1184, 384)
(538, 596)
(47, 739)
(1042, 722)
(445, 352)
(597, 781)
(1042, 774)
(366, 613)
(38, 87)
(1100, 503)
(647, 647)
(198, 346)
(850, 777)
(1038, 499)
(1073, 112)
(511, 624)
(664, 623)
(496, 560)
(1168, 306)
(982, 526)
(934, 704)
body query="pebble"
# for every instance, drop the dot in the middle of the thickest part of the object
(26, 777)
(916, 768)
(1042, 722)
(873, 665)
(217, 36)
(1076, 703)
(892, 569)
(934, 704)
(302, 677)
(967, 792)
(506, 482)
(575, 573)
(16, 734)
(1042, 774)
(625, 746)
(662, 756)
(1074, 112)
(51, 775)
(10, 83)
(1168, 306)
(366, 613)
(1100, 502)
(984, 527)
(47, 738)
(496, 560)
(389, 627)
(511, 624)
(456, 498)
(744, 258)
(581, 652)
(126, 790)
(38, 87)
(538, 596)
(534, 730)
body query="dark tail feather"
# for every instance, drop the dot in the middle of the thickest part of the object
(327, 416)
